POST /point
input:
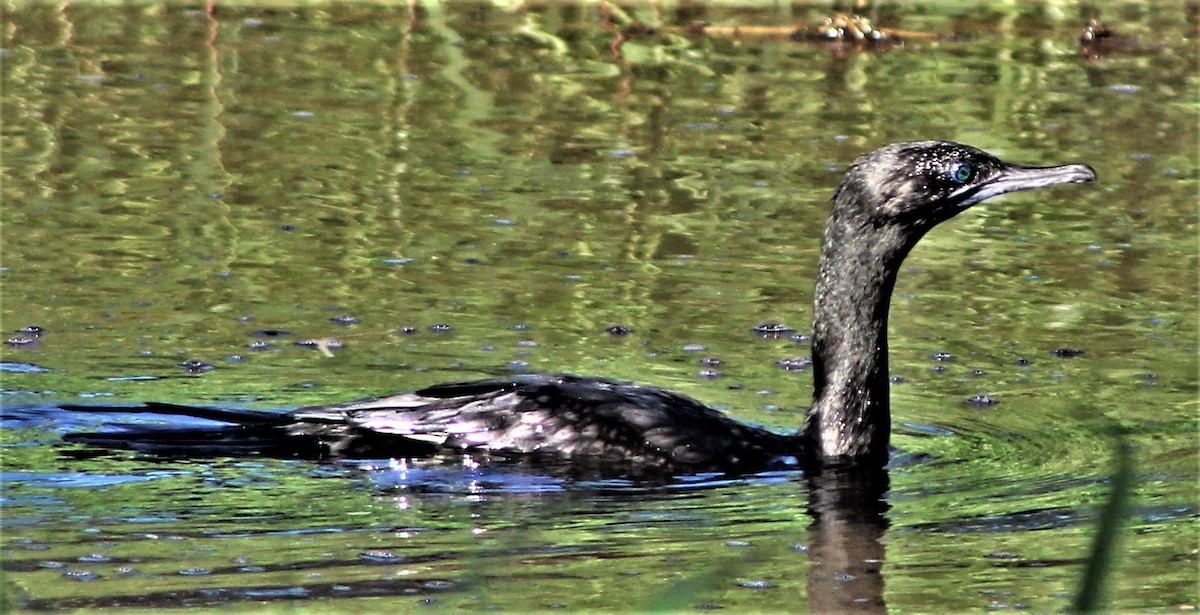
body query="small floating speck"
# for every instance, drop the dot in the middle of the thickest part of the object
(504, 222)
(794, 364)
(694, 347)
(800, 338)
(982, 400)
(21, 341)
(623, 153)
(32, 330)
(1124, 88)
(772, 329)
(302, 114)
(325, 345)
(80, 575)
(711, 361)
(344, 319)
(195, 572)
(196, 366)
(440, 328)
(757, 584)
(402, 260)
(709, 374)
(1066, 352)
(1022, 362)
(95, 558)
(942, 356)
(897, 380)
(408, 330)
(260, 345)
(379, 556)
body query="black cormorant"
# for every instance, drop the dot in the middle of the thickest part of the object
(887, 201)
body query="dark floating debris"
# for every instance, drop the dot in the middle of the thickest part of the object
(196, 366)
(618, 330)
(1066, 352)
(325, 345)
(794, 364)
(1093, 31)
(272, 332)
(379, 556)
(1022, 362)
(982, 400)
(408, 330)
(1097, 40)
(772, 330)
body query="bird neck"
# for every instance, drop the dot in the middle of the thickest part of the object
(850, 421)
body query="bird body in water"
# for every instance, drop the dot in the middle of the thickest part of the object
(887, 201)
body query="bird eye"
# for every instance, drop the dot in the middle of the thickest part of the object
(962, 172)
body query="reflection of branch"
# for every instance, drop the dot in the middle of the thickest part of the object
(1095, 584)
(845, 545)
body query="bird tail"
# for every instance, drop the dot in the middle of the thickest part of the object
(176, 430)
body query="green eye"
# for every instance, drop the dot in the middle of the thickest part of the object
(961, 172)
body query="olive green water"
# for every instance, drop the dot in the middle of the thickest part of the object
(176, 180)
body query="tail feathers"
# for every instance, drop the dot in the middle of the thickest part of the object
(236, 416)
(192, 442)
(239, 432)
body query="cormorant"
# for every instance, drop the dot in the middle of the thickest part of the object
(887, 201)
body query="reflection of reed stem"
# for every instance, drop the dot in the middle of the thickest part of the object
(1093, 587)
